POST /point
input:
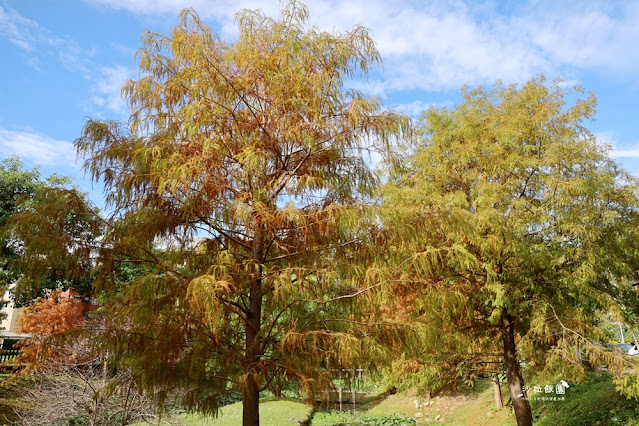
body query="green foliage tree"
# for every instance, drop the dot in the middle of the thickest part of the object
(15, 183)
(55, 237)
(244, 161)
(513, 228)
(18, 194)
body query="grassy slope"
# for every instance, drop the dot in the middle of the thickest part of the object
(476, 405)
(459, 408)
(594, 402)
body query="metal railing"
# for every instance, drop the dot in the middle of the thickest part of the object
(8, 354)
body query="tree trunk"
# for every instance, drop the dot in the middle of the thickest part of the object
(277, 390)
(251, 403)
(125, 409)
(499, 403)
(251, 390)
(518, 396)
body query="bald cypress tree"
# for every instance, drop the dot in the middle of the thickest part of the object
(513, 229)
(244, 161)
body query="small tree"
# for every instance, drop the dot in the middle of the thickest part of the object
(46, 209)
(46, 321)
(69, 377)
(81, 391)
(17, 190)
(514, 228)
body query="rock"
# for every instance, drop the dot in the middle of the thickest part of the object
(419, 415)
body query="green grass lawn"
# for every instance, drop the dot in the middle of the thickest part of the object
(594, 402)
(462, 407)
(273, 412)
(465, 406)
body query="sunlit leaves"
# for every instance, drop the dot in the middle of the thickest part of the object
(510, 203)
(244, 161)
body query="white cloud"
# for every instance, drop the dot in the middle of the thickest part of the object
(413, 109)
(16, 28)
(618, 150)
(439, 45)
(37, 149)
(631, 152)
(106, 92)
(37, 41)
(150, 7)
(217, 9)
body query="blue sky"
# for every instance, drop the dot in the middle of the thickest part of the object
(65, 60)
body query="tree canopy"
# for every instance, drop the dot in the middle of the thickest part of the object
(20, 193)
(248, 241)
(245, 163)
(15, 183)
(517, 229)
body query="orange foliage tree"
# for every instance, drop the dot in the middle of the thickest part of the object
(47, 321)
(71, 376)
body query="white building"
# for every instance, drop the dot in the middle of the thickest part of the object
(9, 315)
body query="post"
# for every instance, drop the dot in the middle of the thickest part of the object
(499, 403)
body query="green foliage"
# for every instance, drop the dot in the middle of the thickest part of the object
(388, 420)
(508, 207)
(18, 193)
(15, 183)
(56, 239)
(341, 418)
(593, 402)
